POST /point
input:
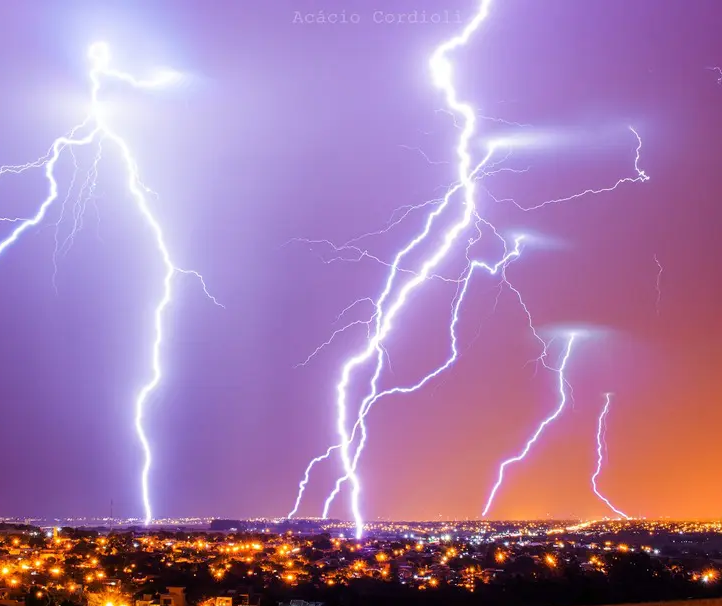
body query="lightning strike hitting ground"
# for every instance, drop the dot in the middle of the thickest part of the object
(442, 77)
(98, 130)
(388, 305)
(601, 450)
(369, 402)
(559, 409)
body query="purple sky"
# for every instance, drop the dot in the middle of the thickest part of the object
(286, 130)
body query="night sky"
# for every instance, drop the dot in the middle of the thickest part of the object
(285, 130)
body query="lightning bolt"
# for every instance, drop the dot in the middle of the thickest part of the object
(639, 177)
(395, 293)
(500, 266)
(601, 449)
(658, 284)
(442, 76)
(95, 130)
(718, 71)
(562, 384)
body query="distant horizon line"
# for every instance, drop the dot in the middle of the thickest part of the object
(278, 519)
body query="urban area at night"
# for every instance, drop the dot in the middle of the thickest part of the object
(360, 303)
(224, 562)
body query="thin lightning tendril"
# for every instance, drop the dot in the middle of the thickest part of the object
(562, 383)
(100, 132)
(658, 285)
(386, 307)
(640, 176)
(718, 71)
(601, 451)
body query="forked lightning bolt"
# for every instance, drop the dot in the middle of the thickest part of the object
(384, 315)
(369, 402)
(601, 451)
(95, 130)
(562, 386)
(395, 293)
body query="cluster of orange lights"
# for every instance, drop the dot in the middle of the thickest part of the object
(708, 576)
(285, 558)
(284, 550)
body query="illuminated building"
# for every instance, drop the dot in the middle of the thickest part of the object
(176, 596)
